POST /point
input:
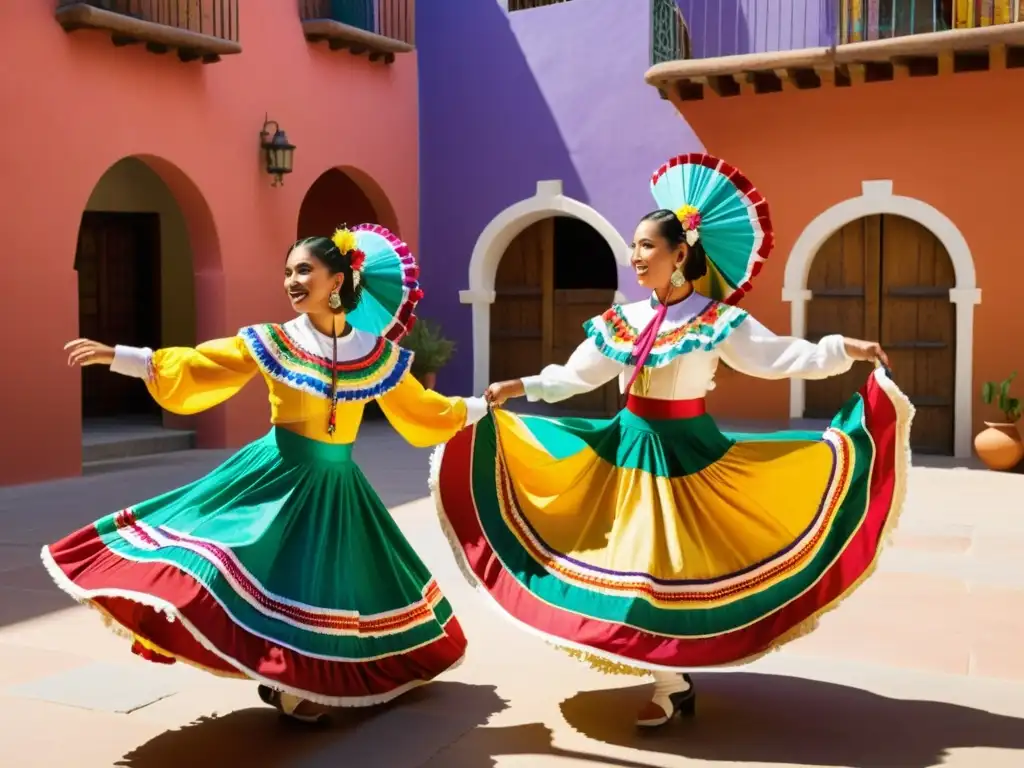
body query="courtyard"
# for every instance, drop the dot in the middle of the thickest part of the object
(921, 667)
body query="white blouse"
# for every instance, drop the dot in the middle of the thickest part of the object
(696, 333)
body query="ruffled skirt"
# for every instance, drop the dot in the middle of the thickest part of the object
(282, 566)
(642, 543)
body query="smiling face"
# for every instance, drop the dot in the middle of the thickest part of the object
(308, 282)
(654, 258)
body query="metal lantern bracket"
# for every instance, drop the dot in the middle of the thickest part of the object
(278, 152)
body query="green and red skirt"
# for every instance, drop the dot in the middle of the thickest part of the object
(281, 566)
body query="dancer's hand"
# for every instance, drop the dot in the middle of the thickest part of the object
(500, 391)
(870, 351)
(84, 352)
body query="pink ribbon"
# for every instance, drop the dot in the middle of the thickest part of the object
(645, 342)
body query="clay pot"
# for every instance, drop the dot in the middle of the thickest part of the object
(429, 380)
(999, 446)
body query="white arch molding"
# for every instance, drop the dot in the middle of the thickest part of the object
(877, 198)
(496, 238)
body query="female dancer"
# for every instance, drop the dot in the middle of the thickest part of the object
(282, 565)
(653, 541)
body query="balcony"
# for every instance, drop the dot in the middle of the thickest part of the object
(525, 5)
(202, 30)
(379, 29)
(774, 45)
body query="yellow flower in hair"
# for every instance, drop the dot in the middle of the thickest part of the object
(345, 240)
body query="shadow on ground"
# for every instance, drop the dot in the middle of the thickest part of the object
(408, 732)
(480, 748)
(755, 718)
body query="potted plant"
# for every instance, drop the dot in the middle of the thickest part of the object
(1000, 446)
(431, 349)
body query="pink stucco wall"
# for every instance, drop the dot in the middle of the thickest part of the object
(75, 104)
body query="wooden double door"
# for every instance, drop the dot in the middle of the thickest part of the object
(118, 265)
(554, 276)
(888, 278)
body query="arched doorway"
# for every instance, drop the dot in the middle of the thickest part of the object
(889, 278)
(134, 262)
(335, 198)
(554, 275)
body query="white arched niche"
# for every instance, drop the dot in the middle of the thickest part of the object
(492, 244)
(877, 198)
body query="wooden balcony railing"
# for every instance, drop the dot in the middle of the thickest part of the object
(773, 45)
(197, 29)
(378, 28)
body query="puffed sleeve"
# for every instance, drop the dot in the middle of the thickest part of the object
(756, 351)
(425, 417)
(584, 371)
(186, 380)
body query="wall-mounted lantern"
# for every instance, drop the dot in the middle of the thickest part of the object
(279, 152)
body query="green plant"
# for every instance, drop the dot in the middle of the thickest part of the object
(998, 394)
(431, 349)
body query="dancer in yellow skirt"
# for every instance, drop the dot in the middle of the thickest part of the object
(654, 542)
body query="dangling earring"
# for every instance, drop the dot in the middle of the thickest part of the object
(678, 279)
(334, 300)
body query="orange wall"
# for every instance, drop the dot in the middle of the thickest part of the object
(75, 104)
(953, 142)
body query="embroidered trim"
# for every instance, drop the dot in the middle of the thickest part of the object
(282, 358)
(615, 336)
(313, 618)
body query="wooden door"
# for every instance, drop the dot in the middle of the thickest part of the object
(118, 264)
(573, 307)
(888, 278)
(520, 312)
(534, 324)
(919, 328)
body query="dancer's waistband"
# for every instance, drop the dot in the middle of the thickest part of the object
(300, 448)
(651, 408)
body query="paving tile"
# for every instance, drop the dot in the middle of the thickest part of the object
(102, 686)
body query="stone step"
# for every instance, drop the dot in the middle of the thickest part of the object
(130, 444)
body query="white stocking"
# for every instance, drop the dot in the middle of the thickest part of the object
(666, 683)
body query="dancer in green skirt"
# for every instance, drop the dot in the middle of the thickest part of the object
(283, 565)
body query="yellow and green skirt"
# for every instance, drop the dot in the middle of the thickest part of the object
(653, 540)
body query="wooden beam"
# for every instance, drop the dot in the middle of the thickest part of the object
(710, 85)
(160, 37)
(827, 75)
(857, 73)
(946, 62)
(787, 77)
(997, 57)
(335, 30)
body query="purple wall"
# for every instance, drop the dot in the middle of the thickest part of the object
(507, 100)
(728, 27)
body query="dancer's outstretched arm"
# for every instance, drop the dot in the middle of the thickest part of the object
(584, 371)
(756, 351)
(425, 417)
(180, 379)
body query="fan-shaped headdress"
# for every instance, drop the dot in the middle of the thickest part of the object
(720, 207)
(387, 271)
